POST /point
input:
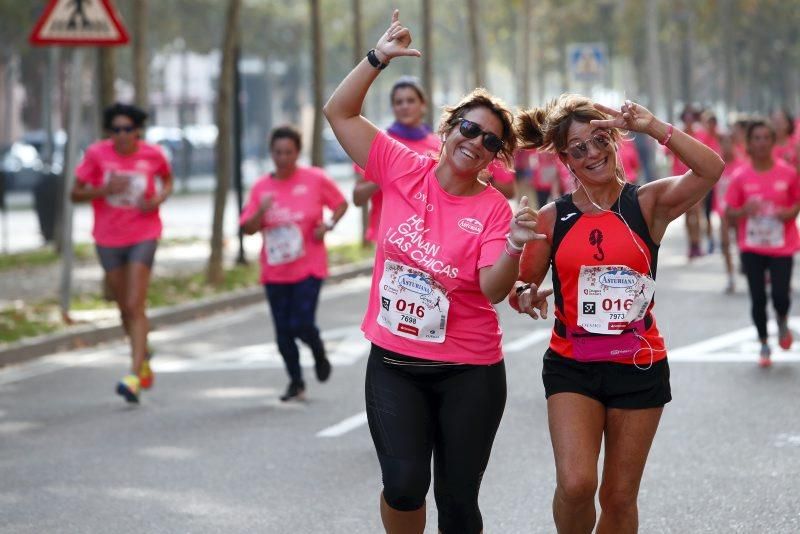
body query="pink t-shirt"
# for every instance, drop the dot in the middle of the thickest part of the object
(548, 170)
(679, 167)
(630, 160)
(500, 172)
(425, 299)
(786, 152)
(290, 252)
(118, 219)
(721, 187)
(428, 146)
(776, 188)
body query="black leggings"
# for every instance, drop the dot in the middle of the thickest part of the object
(780, 277)
(416, 408)
(294, 308)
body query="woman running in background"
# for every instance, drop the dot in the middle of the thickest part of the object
(287, 207)
(126, 180)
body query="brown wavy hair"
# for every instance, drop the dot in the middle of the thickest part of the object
(481, 98)
(547, 128)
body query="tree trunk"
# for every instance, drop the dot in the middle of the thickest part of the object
(140, 77)
(318, 82)
(427, 59)
(524, 87)
(479, 69)
(106, 74)
(223, 148)
(654, 69)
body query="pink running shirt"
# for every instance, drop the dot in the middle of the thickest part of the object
(431, 246)
(721, 187)
(630, 160)
(429, 146)
(289, 252)
(118, 219)
(778, 187)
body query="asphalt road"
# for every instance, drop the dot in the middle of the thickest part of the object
(211, 449)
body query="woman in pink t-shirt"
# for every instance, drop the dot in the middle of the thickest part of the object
(287, 208)
(409, 103)
(126, 180)
(447, 249)
(764, 199)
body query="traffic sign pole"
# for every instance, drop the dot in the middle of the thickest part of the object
(75, 23)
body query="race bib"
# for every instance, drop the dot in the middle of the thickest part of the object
(133, 194)
(413, 304)
(610, 297)
(764, 231)
(284, 244)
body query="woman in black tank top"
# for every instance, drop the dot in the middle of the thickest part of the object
(595, 385)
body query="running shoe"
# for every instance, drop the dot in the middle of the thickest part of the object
(322, 368)
(730, 287)
(295, 391)
(695, 252)
(146, 376)
(764, 359)
(785, 337)
(128, 387)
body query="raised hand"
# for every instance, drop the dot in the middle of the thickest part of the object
(631, 116)
(523, 225)
(395, 42)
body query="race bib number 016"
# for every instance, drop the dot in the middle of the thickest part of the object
(413, 304)
(610, 297)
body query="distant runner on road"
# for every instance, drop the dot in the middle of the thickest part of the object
(126, 180)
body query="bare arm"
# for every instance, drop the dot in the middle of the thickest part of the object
(363, 191)
(338, 213)
(83, 192)
(533, 267)
(496, 280)
(343, 110)
(665, 200)
(255, 222)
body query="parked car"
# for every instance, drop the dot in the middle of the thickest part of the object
(21, 166)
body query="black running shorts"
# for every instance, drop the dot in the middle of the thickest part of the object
(615, 385)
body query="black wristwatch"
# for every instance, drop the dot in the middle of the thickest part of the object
(374, 61)
(522, 289)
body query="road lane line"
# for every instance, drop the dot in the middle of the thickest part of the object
(351, 423)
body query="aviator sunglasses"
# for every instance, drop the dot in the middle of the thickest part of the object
(470, 130)
(579, 149)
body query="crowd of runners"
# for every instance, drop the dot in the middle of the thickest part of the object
(449, 246)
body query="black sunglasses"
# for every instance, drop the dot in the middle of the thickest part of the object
(470, 130)
(120, 129)
(580, 149)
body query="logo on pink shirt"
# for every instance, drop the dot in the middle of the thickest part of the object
(473, 226)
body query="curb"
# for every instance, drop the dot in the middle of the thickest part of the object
(87, 335)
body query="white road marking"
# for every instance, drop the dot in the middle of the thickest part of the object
(343, 427)
(738, 346)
